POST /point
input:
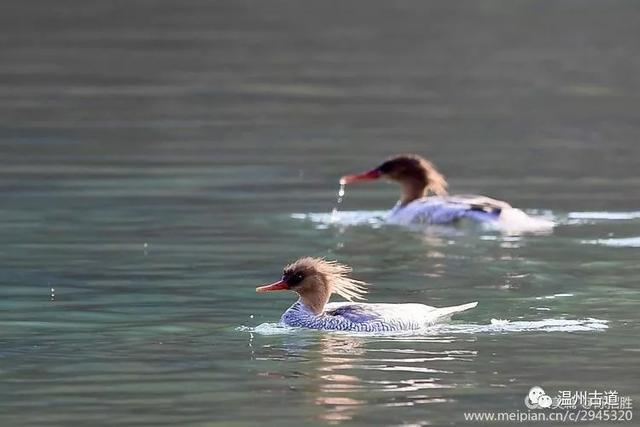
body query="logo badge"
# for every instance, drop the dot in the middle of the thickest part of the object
(537, 399)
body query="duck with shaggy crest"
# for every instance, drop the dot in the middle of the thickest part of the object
(419, 177)
(316, 279)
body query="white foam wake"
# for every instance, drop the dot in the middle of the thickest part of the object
(374, 219)
(515, 221)
(496, 326)
(626, 242)
(615, 216)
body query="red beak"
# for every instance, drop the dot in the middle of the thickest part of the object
(367, 176)
(280, 285)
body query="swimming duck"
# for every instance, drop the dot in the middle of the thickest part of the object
(419, 177)
(316, 279)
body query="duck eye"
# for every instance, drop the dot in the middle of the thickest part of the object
(385, 167)
(295, 278)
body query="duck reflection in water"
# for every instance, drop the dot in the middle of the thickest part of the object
(346, 374)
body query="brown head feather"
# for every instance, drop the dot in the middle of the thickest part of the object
(436, 181)
(333, 274)
(415, 167)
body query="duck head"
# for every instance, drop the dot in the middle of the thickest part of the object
(314, 280)
(416, 174)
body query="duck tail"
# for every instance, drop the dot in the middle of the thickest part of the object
(446, 312)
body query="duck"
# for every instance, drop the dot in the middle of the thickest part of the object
(315, 280)
(425, 200)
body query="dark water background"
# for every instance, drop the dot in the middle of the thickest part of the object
(152, 154)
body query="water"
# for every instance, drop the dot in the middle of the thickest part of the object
(160, 161)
